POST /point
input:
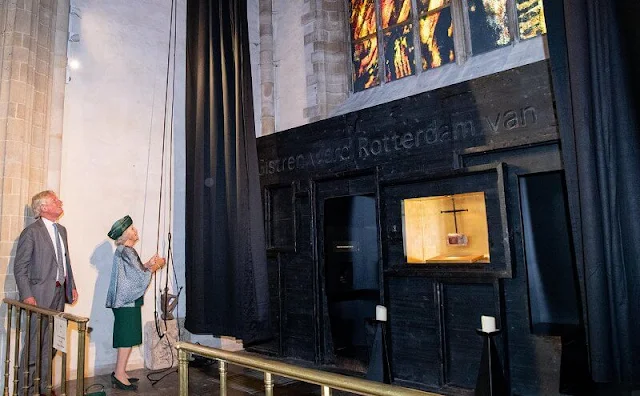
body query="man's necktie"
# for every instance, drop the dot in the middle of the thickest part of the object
(59, 254)
(62, 277)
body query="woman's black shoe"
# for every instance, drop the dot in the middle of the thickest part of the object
(115, 383)
(131, 379)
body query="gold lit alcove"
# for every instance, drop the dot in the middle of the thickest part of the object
(448, 229)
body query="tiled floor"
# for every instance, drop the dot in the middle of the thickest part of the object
(204, 381)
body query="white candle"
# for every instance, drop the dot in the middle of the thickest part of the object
(381, 313)
(488, 323)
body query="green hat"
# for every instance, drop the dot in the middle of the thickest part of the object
(119, 227)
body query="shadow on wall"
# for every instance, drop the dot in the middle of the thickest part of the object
(101, 319)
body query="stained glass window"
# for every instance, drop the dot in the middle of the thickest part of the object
(398, 49)
(431, 5)
(363, 18)
(531, 21)
(394, 12)
(398, 42)
(365, 64)
(436, 35)
(389, 36)
(365, 45)
(489, 25)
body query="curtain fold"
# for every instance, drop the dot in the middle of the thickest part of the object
(226, 274)
(601, 152)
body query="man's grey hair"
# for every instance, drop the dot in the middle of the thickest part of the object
(122, 238)
(39, 200)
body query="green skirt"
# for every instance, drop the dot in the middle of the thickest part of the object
(127, 327)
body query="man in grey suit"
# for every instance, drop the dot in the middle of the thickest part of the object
(43, 274)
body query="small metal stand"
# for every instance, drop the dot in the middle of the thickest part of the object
(379, 368)
(491, 381)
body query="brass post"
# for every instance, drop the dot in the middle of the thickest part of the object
(183, 371)
(50, 354)
(82, 327)
(63, 374)
(36, 380)
(44, 317)
(223, 377)
(268, 384)
(7, 360)
(17, 353)
(326, 391)
(27, 348)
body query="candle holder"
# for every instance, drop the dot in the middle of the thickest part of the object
(379, 367)
(491, 380)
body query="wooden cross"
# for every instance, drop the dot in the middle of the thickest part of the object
(454, 212)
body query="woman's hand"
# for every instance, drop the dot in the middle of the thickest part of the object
(152, 261)
(155, 263)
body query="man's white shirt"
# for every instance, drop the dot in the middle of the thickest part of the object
(52, 234)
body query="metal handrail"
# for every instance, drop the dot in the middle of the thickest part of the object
(39, 312)
(324, 379)
(46, 311)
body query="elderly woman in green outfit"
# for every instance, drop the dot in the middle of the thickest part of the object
(129, 280)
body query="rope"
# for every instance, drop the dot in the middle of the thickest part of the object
(172, 34)
(171, 65)
(170, 184)
(169, 107)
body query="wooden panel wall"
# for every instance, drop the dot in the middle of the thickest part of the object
(502, 124)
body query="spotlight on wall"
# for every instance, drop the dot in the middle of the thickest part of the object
(74, 64)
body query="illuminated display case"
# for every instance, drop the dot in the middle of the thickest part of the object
(446, 229)
(449, 223)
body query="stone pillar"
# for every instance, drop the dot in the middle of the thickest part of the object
(26, 79)
(56, 96)
(267, 73)
(326, 50)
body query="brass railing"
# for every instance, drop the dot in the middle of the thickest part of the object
(327, 381)
(39, 313)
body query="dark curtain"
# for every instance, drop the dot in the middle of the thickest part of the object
(226, 274)
(599, 135)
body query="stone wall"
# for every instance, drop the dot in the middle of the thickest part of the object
(326, 56)
(112, 162)
(30, 69)
(32, 78)
(267, 109)
(304, 68)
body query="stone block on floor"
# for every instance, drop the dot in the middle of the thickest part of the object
(160, 352)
